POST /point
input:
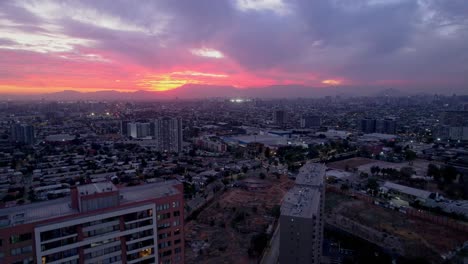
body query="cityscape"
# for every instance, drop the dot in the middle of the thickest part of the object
(243, 131)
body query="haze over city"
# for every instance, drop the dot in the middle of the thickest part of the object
(234, 131)
(215, 48)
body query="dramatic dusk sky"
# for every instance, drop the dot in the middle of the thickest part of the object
(48, 46)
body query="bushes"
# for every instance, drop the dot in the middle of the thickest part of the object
(258, 244)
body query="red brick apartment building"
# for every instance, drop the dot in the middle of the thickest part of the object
(98, 224)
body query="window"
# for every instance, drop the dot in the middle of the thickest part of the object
(102, 252)
(102, 231)
(177, 250)
(175, 204)
(164, 216)
(61, 232)
(23, 250)
(27, 261)
(162, 207)
(20, 238)
(164, 235)
(177, 213)
(164, 226)
(177, 232)
(139, 224)
(58, 243)
(177, 241)
(164, 244)
(102, 221)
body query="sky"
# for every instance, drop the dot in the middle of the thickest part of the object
(159, 45)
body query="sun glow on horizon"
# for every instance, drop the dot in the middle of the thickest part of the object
(170, 81)
(331, 82)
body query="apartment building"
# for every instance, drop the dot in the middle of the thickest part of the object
(98, 223)
(301, 220)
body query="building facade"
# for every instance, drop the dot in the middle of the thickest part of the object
(168, 133)
(384, 126)
(311, 121)
(279, 117)
(22, 133)
(302, 219)
(368, 125)
(454, 126)
(97, 224)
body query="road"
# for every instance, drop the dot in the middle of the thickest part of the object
(272, 252)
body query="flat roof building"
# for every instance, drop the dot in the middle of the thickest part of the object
(98, 224)
(301, 220)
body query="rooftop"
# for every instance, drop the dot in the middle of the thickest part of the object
(301, 201)
(407, 190)
(311, 174)
(100, 187)
(34, 212)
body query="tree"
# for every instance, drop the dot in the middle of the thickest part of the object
(407, 172)
(258, 244)
(192, 152)
(313, 153)
(267, 152)
(449, 174)
(363, 175)
(276, 211)
(262, 176)
(372, 184)
(433, 171)
(410, 155)
(144, 163)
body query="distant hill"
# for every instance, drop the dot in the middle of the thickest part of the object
(197, 91)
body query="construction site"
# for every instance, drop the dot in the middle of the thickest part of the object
(222, 231)
(391, 229)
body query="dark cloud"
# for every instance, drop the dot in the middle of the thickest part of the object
(363, 41)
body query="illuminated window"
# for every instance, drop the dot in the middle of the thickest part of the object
(146, 252)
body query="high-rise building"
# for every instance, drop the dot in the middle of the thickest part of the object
(385, 126)
(368, 125)
(22, 133)
(168, 133)
(98, 224)
(311, 121)
(136, 129)
(455, 118)
(279, 117)
(454, 126)
(143, 130)
(124, 128)
(302, 219)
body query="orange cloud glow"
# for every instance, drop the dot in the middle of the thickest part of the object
(331, 82)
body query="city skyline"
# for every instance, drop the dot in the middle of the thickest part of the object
(231, 47)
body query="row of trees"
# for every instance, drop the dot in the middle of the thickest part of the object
(444, 175)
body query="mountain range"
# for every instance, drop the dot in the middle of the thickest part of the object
(192, 91)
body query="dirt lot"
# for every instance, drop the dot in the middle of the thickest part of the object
(221, 233)
(350, 164)
(420, 238)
